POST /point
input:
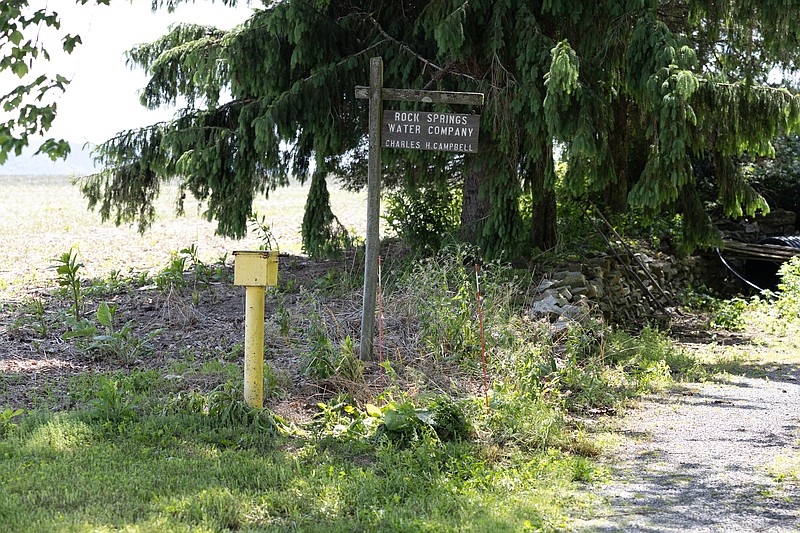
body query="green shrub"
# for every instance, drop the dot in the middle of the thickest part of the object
(423, 216)
(723, 314)
(119, 343)
(788, 301)
(114, 404)
(442, 294)
(513, 418)
(729, 315)
(442, 419)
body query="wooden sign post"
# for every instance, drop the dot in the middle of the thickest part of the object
(416, 130)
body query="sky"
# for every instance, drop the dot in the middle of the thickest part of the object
(102, 98)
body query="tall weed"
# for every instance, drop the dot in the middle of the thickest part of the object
(443, 301)
(68, 269)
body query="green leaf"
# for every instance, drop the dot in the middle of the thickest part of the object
(426, 417)
(105, 315)
(374, 411)
(88, 331)
(70, 42)
(15, 37)
(20, 68)
(395, 420)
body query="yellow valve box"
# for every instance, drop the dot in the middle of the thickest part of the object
(255, 268)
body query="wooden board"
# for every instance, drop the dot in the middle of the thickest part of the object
(766, 252)
(425, 130)
(428, 97)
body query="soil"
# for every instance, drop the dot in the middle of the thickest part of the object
(202, 323)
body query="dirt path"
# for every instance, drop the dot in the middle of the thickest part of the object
(699, 459)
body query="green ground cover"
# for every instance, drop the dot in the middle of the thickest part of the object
(119, 413)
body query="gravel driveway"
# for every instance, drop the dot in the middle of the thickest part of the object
(697, 460)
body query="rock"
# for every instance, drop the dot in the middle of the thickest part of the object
(584, 291)
(597, 287)
(574, 312)
(544, 285)
(571, 280)
(551, 294)
(548, 305)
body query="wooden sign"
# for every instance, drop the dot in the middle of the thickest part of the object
(418, 130)
(426, 130)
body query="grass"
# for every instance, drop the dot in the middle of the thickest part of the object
(67, 472)
(161, 441)
(786, 468)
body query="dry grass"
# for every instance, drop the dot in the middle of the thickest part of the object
(43, 217)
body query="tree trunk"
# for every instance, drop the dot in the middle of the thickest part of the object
(543, 209)
(475, 207)
(615, 196)
(543, 222)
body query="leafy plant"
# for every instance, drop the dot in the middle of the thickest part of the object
(319, 360)
(402, 422)
(171, 277)
(340, 419)
(423, 216)
(264, 233)
(79, 328)
(114, 404)
(6, 415)
(32, 314)
(225, 405)
(275, 382)
(723, 314)
(114, 283)
(521, 420)
(445, 301)
(68, 275)
(283, 317)
(788, 301)
(729, 315)
(325, 360)
(187, 260)
(203, 273)
(121, 344)
(347, 364)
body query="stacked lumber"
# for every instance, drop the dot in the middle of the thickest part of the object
(764, 252)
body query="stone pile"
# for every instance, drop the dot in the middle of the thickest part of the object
(607, 285)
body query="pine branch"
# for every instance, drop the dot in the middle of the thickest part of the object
(426, 62)
(738, 85)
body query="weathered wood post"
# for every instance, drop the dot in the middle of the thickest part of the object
(373, 209)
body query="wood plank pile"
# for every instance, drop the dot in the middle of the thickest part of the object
(764, 252)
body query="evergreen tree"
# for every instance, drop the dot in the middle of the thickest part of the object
(634, 90)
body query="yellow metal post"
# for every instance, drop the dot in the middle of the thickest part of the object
(255, 271)
(254, 347)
